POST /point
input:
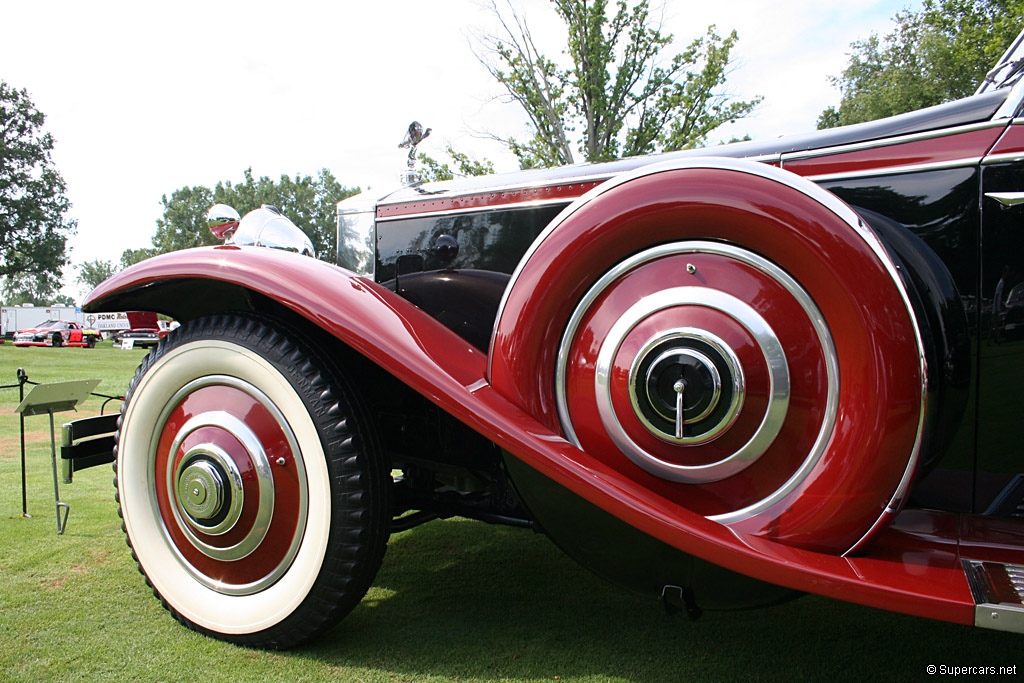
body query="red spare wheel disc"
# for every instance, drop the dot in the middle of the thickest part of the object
(732, 337)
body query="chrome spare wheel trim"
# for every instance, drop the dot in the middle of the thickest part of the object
(759, 329)
(746, 166)
(771, 423)
(200, 466)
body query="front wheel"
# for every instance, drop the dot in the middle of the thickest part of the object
(253, 494)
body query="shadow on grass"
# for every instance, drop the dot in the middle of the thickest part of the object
(504, 603)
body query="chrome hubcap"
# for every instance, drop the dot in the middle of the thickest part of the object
(210, 495)
(201, 491)
(231, 518)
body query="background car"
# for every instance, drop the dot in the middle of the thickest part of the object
(166, 326)
(145, 329)
(57, 333)
(141, 337)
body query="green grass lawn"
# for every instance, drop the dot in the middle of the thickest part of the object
(455, 601)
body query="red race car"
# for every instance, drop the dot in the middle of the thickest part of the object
(721, 377)
(57, 333)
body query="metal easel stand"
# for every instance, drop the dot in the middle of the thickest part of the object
(20, 386)
(48, 399)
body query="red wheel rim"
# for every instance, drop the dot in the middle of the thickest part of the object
(230, 487)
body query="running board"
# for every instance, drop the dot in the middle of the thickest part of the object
(998, 591)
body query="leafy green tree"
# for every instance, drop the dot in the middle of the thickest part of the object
(431, 169)
(620, 93)
(17, 290)
(91, 273)
(129, 257)
(34, 227)
(183, 224)
(939, 54)
(307, 201)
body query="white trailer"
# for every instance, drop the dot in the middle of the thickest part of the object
(14, 318)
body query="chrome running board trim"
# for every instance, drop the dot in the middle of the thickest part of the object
(998, 591)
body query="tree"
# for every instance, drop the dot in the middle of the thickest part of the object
(183, 224)
(939, 54)
(307, 201)
(620, 92)
(91, 273)
(17, 290)
(34, 227)
(129, 257)
(432, 170)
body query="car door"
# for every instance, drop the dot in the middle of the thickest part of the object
(999, 487)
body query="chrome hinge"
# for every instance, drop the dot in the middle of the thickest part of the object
(1007, 199)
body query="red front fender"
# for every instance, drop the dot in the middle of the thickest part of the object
(440, 365)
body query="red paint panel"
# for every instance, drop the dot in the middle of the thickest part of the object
(434, 361)
(488, 200)
(969, 145)
(374, 321)
(992, 539)
(1011, 142)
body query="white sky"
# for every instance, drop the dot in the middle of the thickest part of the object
(146, 97)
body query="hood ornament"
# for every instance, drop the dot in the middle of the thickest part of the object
(413, 137)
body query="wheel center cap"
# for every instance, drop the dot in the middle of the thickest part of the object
(201, 490)
(686, 386)
(700, 390)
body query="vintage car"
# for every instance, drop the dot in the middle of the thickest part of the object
(164, 327)
(144, 329)
(721, 377)
(57, 333)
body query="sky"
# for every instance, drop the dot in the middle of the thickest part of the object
(143, 98)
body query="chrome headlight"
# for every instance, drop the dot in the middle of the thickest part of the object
(267, 227)
(222, 220)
